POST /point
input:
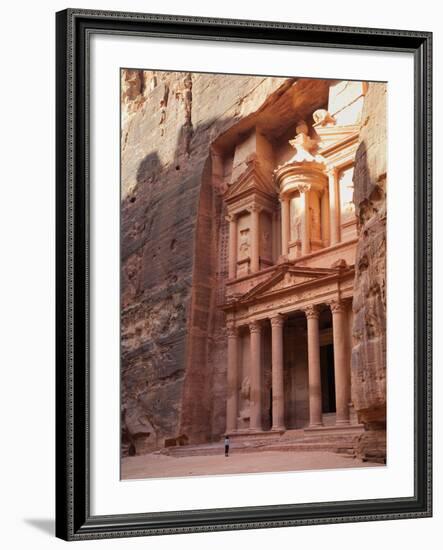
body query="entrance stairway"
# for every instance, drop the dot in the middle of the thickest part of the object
(336, 439)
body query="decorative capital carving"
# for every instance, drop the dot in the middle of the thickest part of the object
(231, 218)
(312, 312)
(255, 208)
(232, 329)
(303, 187)
(277, 321)
(254, 326)
(337, 306)
(331, 172)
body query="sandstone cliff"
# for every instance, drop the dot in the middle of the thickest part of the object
(169, 207)
(368, 366)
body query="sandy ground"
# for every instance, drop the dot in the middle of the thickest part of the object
(156, 465)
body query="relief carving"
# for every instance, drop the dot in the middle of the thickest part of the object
(296, 219)
(245, 389)
(265, 243)
(314, 219)
(244, 244)
(245, 407)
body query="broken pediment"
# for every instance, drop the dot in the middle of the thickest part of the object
(250, 180)
(331, 136)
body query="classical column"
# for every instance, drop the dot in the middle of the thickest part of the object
(305, 233)
(255, 238)
(232, 390)
(341, 362)
(232, 219)
(285, 216)
(325, 219)
(315, 404)
(275, 236)
(278, 396)
(334, 207)
(255, 376)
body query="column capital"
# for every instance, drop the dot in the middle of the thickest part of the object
(312, 312)
(231, 329)
(337, 306)
(303, 187)
(231, 217)
(277, 320)
(331, 171)
(255, 208)
(255, 326)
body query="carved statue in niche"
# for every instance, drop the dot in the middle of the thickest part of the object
(244, 244)
(296, 219)
(245, 388)
(265, 243)
(314, 219)
(346, 184)
(245, 406)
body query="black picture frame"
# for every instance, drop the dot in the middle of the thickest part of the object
(74, 28)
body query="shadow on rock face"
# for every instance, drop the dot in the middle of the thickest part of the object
(148, 169)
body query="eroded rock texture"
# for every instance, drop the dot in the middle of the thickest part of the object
(169, 231)
(368, 367)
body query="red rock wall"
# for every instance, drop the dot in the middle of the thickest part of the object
(369, 305)
(171, 252)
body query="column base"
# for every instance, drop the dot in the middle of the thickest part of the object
(315, 424)
(258, 429)
(342, 422)
(280, 429)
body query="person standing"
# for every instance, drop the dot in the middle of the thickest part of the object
(227, 445)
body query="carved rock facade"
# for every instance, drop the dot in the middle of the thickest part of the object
(242, 300)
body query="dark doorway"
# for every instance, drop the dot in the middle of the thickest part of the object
(327, 378)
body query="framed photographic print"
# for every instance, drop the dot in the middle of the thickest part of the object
(243, 274)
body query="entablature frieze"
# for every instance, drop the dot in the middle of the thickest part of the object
(300, 178)
(291, 301)
(341, 159)
(288, 279)
(254, 200)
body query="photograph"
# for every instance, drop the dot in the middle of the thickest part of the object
(253, 305)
